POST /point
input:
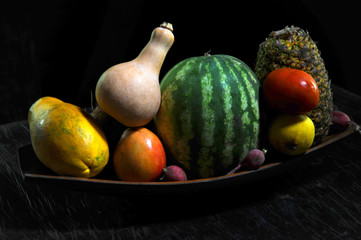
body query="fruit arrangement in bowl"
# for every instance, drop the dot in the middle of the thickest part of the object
(210, 116)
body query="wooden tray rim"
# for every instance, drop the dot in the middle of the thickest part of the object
(242, 176)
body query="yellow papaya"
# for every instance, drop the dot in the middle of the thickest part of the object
(66, 138)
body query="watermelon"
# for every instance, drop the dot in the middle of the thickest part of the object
(209, 114)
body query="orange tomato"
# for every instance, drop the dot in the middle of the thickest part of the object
(291, 91)
(139, 156)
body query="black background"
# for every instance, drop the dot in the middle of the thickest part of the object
(60, 48)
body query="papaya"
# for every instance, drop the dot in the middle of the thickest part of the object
(66, 138)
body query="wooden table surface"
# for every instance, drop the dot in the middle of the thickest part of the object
(318, 199)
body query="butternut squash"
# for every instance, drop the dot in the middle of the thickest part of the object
(129, 92)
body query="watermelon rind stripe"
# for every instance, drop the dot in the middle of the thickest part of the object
(229, 134)
(206, 159)
(187, 133)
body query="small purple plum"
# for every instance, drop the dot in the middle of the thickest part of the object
(174, 173)
(254, 159)
(341, 119)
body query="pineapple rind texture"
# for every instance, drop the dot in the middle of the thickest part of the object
(293, 47)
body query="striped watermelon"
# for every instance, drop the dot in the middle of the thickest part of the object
(209, 115)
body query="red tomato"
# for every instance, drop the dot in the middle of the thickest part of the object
(291, 91)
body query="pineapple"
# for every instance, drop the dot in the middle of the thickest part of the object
(293, 47)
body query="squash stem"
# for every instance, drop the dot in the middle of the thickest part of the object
(167, 25)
